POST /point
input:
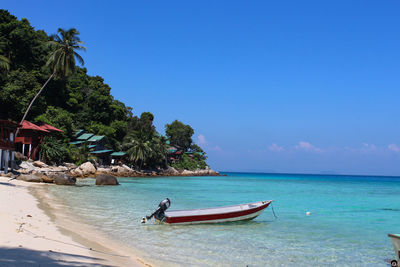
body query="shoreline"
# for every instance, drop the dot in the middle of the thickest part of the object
(88, 169)
(34, 232)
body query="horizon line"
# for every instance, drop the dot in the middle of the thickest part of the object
(359, 175)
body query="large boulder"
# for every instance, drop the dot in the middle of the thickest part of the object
(28, 166)
(8, 175)
(187, 173)
(40, 164)
(171, 171)
(87, 169)
(69, 165)
(76, 172)
(104, 179)
(122, 171)
(103, 170)
(32, 178)
(63, 179)
(47, 179)
(59, 169)
(19, 156)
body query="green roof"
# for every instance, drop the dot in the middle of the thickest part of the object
(101, 151)
(95, 138)
(79, 132)
(85, 136)
(91, 146)
(199, 153)
(76, 142)
(120, 153)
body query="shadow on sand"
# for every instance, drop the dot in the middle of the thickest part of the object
(7, 184)
(28, 257)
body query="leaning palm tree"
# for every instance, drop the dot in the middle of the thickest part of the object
(62, 58)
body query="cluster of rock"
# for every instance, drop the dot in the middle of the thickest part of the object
(40, 172)
(125, 171)
(56, 178)
(67, 173)
(89, 170)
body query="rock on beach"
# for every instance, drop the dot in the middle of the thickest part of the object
(104, 179)
(63, 179)
(84, 170)
(32, 178)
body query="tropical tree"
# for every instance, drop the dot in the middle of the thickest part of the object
(138, 149)
(159, 151)
(4, 61)
(52, 150)
(179, 134)
(81, 154)
(62, 58)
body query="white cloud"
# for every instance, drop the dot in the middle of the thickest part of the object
(306, 146)
(274, 147)
(201, 140)
(368, 147)
(394, 147)
(215, 148)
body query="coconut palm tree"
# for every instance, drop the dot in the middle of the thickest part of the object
(62, 58)
(138, 150)
(159, 150)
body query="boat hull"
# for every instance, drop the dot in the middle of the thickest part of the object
(396, 245)
(217, 215)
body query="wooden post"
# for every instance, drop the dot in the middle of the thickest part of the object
(29, 151)
(6, 162)
(23, 149)
(12, 160)
(1, 159)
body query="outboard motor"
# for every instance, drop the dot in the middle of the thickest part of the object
(159, 212)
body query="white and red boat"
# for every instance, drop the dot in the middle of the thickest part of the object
(210, 215)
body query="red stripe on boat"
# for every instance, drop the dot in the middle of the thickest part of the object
(211, 217)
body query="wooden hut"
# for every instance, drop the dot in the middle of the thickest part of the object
(30, 136)
(117, 158)
(7, 145)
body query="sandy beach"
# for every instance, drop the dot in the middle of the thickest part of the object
(33, 233)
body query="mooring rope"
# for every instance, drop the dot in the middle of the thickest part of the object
(273, 211)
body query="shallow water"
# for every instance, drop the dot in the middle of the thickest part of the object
(348, 225)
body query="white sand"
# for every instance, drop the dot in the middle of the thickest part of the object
(29, 237)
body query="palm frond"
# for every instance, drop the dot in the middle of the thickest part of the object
(4, 62)
(79, 58)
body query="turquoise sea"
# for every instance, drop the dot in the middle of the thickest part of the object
(350, 217)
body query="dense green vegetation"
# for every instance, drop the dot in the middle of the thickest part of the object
(52, 150)
(31, 60)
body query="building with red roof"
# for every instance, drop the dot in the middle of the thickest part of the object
(30, 136)
(48, 127)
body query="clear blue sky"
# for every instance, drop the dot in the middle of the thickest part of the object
(275, 86)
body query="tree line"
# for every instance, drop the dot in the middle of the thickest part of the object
(40, 81)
